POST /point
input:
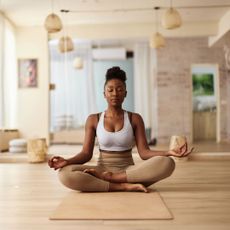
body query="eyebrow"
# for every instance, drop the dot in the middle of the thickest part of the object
(111, 86)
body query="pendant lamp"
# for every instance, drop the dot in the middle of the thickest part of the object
(157, 40)
(53, 23)
(78, 63)
(65, 44)
(171, 18)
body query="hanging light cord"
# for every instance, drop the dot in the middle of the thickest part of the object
(52, 6)
(118, 10)
(156, 18)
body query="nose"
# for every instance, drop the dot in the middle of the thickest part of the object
(114, 92)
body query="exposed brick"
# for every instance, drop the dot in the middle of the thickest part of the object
(174, 85)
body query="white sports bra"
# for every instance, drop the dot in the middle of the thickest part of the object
(121, 140)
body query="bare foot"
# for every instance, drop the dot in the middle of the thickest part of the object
(93, 172)
(101, 175)
(107, 176)
(116, 186)
(135, 187)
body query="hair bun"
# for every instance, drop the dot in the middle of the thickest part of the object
(115, 73)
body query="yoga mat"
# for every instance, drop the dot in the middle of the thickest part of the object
(111, 206)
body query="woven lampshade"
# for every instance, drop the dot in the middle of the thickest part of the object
(53, 23)
(171, 19)
(157, 41)
(78, 63)
(65, 44)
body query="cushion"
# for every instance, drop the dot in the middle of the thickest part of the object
(18, 143)
(19, 149)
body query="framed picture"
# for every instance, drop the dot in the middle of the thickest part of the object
(27, 73)
(204, 93)
(203, 84)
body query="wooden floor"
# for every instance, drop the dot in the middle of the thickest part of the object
(198, 195)
(203, 151)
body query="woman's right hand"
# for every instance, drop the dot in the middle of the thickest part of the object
(57, 162)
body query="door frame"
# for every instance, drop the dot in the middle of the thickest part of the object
(217, 94)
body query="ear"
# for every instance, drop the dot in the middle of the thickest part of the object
(104, 94)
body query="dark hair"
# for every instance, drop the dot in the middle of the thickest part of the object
(115, 73)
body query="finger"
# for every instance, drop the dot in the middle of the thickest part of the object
(184, 151)
(176, 151)
(184, 148)
(89, 170)
(191, 150)
(56, 158)
(49, 163)
(51, 160)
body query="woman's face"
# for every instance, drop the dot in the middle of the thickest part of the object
(115, 92)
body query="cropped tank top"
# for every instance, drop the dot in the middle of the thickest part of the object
(115, 141)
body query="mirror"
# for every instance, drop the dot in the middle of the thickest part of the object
(205, 93)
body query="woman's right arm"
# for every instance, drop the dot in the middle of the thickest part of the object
(87, 151)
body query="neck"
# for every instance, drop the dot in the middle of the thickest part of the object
(114, 111)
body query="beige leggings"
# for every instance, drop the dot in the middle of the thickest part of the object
(146, 172)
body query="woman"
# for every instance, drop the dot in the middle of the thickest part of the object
(116, 130)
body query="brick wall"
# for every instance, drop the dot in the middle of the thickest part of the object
(174, 86)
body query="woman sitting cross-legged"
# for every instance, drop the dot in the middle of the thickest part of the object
(116, 130)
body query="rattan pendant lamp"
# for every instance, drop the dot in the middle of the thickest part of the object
(171, 18)
(65, 43)
(53, 22)
(157, 40)
(78, 63)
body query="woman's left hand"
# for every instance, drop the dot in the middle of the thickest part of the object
(180, 152)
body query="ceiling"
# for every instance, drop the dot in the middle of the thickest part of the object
(33, 13)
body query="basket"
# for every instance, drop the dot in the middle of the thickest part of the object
(37, 150)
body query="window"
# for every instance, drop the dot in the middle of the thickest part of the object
(8, 80)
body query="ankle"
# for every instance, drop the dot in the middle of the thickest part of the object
(116, 177)
(107, 176)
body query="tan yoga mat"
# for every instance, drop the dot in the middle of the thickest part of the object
(112, 206)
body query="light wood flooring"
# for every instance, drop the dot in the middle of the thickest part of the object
(204, 150)
(197, 194)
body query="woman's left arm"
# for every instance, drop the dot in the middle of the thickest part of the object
(142, 146)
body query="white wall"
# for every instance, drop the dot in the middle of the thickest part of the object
(33, 103)
(136, 30)
(223, 28)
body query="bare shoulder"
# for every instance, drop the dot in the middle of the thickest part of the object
(92, 120)
(136, 117)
